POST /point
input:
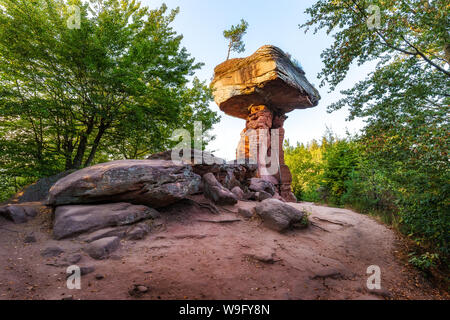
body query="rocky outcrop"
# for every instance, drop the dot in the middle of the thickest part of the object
(154, 183)
(214, 191)
(261, 89)
(77, 219)
(230, 175)
(19, 213)
(277, 215)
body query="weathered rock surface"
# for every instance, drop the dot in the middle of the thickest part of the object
(262, 195)
(119, 232)
(277, 215)
(51, 252)
(264, 255)
(230, 174)
(102, 248)
(138, 232)
(214, 191)
(77, 219)
(257, 185)
(134, 232)
(63, 260)
(19, 213)
(268, 77)
(87, 270)
(238, 193)
(246, 213)
(72, 259)
(154, 183)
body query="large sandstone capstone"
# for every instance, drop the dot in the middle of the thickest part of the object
(76, 219)
(154, 183)
(268, 77)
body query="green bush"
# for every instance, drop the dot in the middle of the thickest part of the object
(374, 176)
(425, 261)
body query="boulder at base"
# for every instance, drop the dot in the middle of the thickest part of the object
(214, 191)
(258, 185)
(19, 213)
(154, 183)
(238, 193)
(278, 215)
(74, 220)
(101, 249)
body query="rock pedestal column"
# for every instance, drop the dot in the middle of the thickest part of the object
(262, 126)
(285, 176)
(258, 123)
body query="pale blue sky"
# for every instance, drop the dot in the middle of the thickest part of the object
(270, 22)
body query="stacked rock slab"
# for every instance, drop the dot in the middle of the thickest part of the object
(108, 199)
(262, 89)
(153, 183)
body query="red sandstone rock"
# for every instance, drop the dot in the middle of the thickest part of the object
(153, 183)
(261, 89)
(268, 77)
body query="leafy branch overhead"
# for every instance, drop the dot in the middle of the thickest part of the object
(407, 30)
(235, 35)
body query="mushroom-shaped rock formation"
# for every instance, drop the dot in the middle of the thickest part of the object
(261, 89)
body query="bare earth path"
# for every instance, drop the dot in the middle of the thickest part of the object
(194, 254)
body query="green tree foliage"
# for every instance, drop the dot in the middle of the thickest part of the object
(408, 29)
(114, 88)
(234, 35)
(345, 172)
(340, 160)
(306, 165)
(321, 172)
(405, 103)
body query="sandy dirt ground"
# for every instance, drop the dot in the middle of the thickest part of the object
(195, 254)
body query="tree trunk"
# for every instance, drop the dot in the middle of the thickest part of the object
(95, 145)
(229, 51)
(68, 149)
(82, 146)
(77, 161)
